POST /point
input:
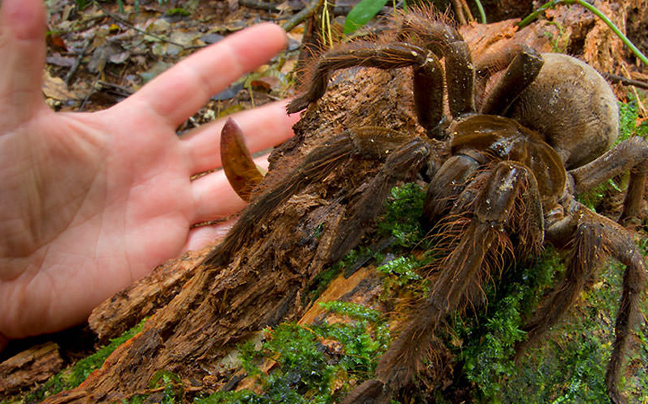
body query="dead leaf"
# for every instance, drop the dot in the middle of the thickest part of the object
(154, 71)
(56, 89)
(264, 84)
(108, 52)
(58, 60)
(119, 58)
(157, 26)
(55, 41)
(211, 38)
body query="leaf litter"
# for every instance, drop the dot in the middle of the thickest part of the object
(99, 54)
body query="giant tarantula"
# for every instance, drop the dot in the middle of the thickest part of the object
(504, 171)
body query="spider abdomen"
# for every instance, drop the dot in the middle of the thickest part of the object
(572, 106)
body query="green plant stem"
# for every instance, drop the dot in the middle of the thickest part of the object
(616, 30)
(534, 15)
(596, 12)
(482, 14)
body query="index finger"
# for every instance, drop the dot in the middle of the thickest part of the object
(179, 92)
(22, 59)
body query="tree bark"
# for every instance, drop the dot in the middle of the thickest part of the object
(29, 368)
(200, 312)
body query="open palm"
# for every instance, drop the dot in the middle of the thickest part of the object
(91, 202)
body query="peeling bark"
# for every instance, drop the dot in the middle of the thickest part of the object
(29, 368)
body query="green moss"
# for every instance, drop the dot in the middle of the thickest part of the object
(630, 125)
(403, 269)
(233, 397)
(318, 231)
(320, 283)
(398, 228)
(399, 224)
(311, 358)
(179, 12)
(629, 121)
(173, 391)
(593, 197)
(73, 376)
(402, 215)
(569, 365)
(485, 343)
(401, 275)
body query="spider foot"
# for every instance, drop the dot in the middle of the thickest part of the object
(370, 392)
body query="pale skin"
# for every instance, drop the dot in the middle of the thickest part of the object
(90, 202)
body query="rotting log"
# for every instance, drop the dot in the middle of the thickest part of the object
(268, 280)
(141, 299)
(29, 368)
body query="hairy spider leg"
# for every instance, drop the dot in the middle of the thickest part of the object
(620, 245)
(520, 73)
(594, 237)
(634, 193)
(485, 233)
(401, 164)
(446, 185)
(492, 62)
(460, 78)
(319, 163)
(404, 155)
(438, 40)
(629, 155)
(428, 75)
(443, 40)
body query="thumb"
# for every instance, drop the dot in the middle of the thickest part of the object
(22, 52)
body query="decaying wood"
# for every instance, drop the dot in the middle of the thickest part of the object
(28, 368)
(268, 280)
(362, 287)
(206, 310)
(128, 307)
(123, 310)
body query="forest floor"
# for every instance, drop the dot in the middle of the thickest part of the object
(101, 52)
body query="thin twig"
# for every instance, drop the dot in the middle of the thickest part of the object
(141, 31)
(272, 7)
(459, 12)
(93, 89)
(77, 63)
(259, 5)
(613, 78)
(121, 90)
(300, 16)
(466, 9)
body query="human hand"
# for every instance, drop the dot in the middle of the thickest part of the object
(90, 203)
